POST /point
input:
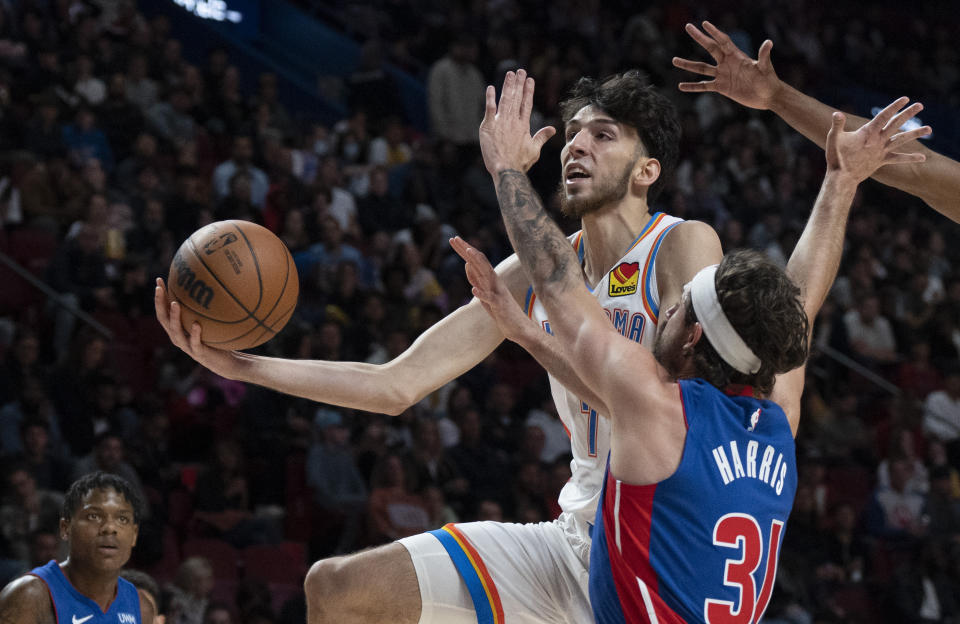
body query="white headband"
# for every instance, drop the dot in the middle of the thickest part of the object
(721, 334)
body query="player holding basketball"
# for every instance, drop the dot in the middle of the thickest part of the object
(621, 143)
(702, 467)
(100, 520)
(755, 84)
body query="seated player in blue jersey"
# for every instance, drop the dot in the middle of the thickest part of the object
(702, 466)
(100, 521)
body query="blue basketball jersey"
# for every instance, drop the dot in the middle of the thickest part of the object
(701, 545)
(72, 607)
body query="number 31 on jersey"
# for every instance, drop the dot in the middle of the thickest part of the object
(742, 531)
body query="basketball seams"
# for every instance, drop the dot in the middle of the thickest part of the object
(186, 305)
(193, 248)
(256, 264)
(252, 324)
(270, 328)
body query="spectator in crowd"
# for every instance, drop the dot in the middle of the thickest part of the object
(171, 118)
(870, 333)
(455, 96)
(922, 590)
(896, 512)
(50, 470)
(217, 613)
(84, 140)
(943, 508)
(941, 413)
(332, 473)
(109, 455)
(394, 511)
(30, 404)
(27, 509)
(190, 591)
(241, 162)
(222, 500)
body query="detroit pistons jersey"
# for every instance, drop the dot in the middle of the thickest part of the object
(701, 545)
(72, 607)
(629, 295)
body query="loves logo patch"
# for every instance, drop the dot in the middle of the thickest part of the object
(624, 278)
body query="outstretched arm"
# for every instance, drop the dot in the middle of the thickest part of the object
(755, 84)
(851, 158)
(445, 351)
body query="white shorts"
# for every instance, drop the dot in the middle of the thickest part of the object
(479, 572)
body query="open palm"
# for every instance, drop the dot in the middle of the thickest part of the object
(752, 83)
(874, 144)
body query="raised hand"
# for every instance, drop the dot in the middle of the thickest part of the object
(860, 153)
(752, 83)
(505, 130)
(491, 292)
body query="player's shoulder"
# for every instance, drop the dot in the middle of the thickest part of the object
(691, 231)
(689, 241)
(25, 600)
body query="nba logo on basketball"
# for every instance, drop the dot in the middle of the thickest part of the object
(623, 279)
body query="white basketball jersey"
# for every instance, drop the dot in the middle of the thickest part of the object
(629, 295)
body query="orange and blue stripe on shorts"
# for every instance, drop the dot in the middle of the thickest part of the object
(479, 583)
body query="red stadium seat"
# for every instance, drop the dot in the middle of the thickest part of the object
(280, 593)
(222, 556)
(165, 569)
(273, 564)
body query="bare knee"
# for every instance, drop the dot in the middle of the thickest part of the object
(378, 585)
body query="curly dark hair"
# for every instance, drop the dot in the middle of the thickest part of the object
(101, 481)
(629, 99)
(765, 308)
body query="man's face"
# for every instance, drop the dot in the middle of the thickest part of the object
(23, 484)
(102, 531)
(242, 150)
(110, 453)
(597, 161)
(218, 616)
(672, 333)
(35, 440)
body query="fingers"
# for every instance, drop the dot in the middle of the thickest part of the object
(512, 92)
(726, 43)
(838, 120)
(902, 117)
(708, 44)
(490, 109)
(896, 158)
(905, 137)
(836, 126)
(698, 87)
(196, 343)
(160, 304)
(526, 104)
(543, 135)
(460, 246)
(696, 67)
(763, 56)
(883, 117)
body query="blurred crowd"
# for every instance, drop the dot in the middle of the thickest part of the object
(114, 147)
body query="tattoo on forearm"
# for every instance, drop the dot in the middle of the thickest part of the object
(544, 252)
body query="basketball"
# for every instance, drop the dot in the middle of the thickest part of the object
(238, 280)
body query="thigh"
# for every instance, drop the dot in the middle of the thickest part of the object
(482, 572)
